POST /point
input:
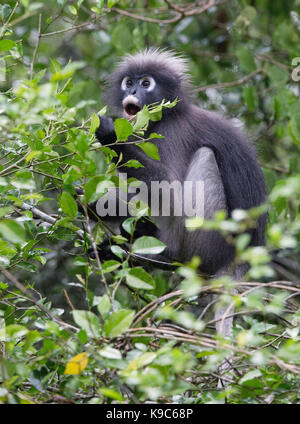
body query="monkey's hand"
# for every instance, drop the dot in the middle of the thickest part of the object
(106, 131)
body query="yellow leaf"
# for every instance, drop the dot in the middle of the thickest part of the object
(77, 364)
(242, 338)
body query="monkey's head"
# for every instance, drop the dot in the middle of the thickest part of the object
(146, 78)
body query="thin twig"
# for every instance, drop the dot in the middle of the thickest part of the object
(231, 83)
(94, 245)
(68, 299)
(6, 25)
(180, 12)
(36, 46)
(14, 165)
(44, 217)
(176, 18)
(48, 34)
(276, 168)
(256, 286)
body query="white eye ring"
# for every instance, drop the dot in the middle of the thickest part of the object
(151, 81)
(124, 83)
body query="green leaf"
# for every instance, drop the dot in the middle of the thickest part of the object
(104, 305)
(156, 114)
(32, 155)
(13, 331)
(121, 37)
(117, 251)
(5, 210)
(143, 360)
(98, 233)
(155, 135)
(67, 71)
(250, 97)
(110, 352)
(96, 187)
(111, 3)
(250, 376)
(23, 180)
(118, 322)
(128, 225)
(246, 59)
(142, 119)
(82, 336)
(133, 163)
(119, 239)
(82, 143)
(249, 13)
(88, 321)
(95, 122)
(12, 231)
(102, 111)
(150, 149)
(277, 75)
(6, 45)
(294, 129)
(73, 10)
(3, 182)
(68, 204)
(109, 266)
(148, 246)
(138, 278)
(111, 394)
(123, 129)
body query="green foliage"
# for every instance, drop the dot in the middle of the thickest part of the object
(83, 328)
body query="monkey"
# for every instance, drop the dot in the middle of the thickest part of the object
(197, 145)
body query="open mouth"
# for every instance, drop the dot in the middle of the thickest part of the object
(131, 107)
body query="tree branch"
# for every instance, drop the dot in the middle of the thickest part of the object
(231, 83)
(45, 217)
(180, 12)
(176, 18)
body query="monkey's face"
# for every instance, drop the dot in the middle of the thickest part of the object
(137, 92)
(146, 78)
(140, 89)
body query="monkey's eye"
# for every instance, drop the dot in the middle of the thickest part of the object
(148, 83)
(126, 83)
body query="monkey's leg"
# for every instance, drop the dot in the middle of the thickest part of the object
(224, 323)
(224, 329)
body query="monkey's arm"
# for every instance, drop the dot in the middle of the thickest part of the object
(106, 131)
